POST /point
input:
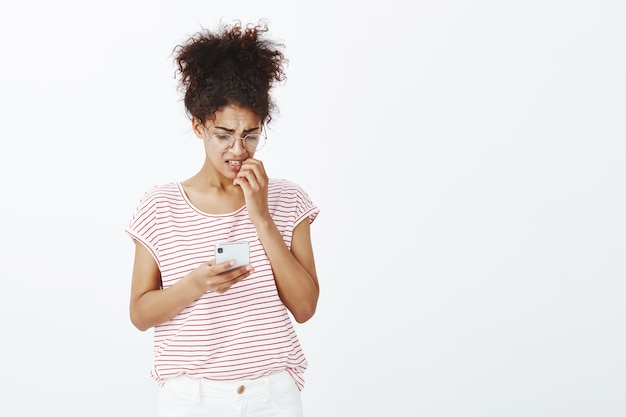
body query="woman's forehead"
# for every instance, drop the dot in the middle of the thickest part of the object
(236, 117)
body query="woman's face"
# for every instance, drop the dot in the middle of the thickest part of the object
(229, 120)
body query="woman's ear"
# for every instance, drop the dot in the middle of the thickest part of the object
(198, 127)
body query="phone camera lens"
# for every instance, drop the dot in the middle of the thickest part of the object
(220, 250)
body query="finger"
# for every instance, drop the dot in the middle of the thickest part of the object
(247, 172)
(223, 266)
(243, 183)
(238, 181)
(230, 278)
(233, 273)
(228, 284)
(248, 184)
(255, 167)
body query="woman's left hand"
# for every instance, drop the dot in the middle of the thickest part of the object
(253, 181)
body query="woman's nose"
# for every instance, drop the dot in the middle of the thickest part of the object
(238, 147)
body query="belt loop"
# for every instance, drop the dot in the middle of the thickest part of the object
(267, 389)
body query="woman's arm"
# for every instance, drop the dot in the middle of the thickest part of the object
(294, 271)
(150, 305)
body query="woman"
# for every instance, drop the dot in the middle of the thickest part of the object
(224, 341)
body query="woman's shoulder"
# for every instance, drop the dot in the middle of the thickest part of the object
(281, 184)
(289, 197)
(167, 190)
(283, 189)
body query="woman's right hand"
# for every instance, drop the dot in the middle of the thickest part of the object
(150, 304)
(210, 276)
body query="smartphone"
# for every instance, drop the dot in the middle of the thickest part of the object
(237, 251)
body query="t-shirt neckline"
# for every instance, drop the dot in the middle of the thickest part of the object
(182, 192)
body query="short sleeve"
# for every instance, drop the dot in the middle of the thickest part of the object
(305, 207)
(142, 226)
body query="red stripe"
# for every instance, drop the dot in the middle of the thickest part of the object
(247, 331)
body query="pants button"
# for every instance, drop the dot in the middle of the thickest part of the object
(241, 389)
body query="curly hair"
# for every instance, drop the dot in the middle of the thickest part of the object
(233, 65)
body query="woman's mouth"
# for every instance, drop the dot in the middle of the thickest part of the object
(234, 165)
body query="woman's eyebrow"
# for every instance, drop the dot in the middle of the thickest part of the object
(252, 129)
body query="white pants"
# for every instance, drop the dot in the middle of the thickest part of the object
(273, 396)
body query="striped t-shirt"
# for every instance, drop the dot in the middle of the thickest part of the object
(244, 333)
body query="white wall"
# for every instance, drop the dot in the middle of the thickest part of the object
(468, 158)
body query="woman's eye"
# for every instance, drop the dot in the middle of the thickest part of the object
(223, 137)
